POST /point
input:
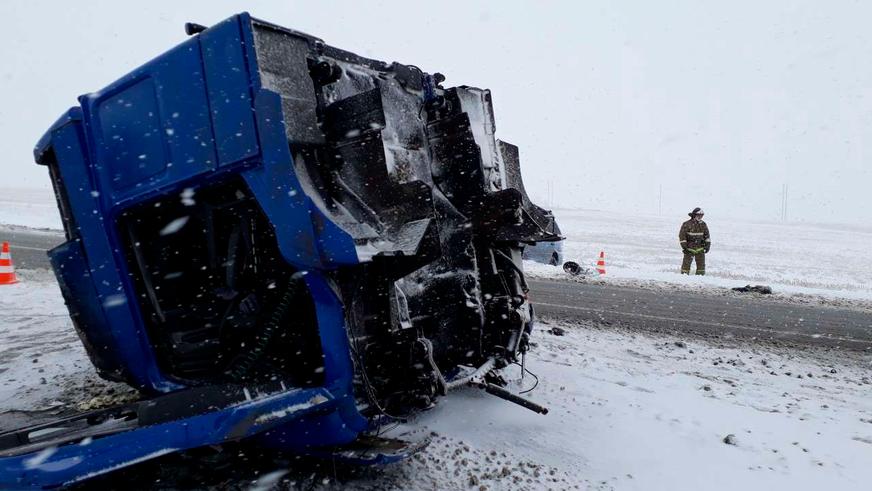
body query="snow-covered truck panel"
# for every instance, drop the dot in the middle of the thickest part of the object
(256, 207)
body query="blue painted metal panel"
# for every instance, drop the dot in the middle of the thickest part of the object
(188, 118)
(339, 368)
(227, 81)
(129, 143)
(343, 425)
(78, 461)
(161, 111)
(278, 190)
(71, 269)
(307, 238)
(105, 264)
(247, 33)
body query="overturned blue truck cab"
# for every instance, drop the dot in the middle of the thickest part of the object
(278, 241)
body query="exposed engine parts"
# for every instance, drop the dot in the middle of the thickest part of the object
(294, 240)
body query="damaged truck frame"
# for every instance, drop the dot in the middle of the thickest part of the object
(278, 241)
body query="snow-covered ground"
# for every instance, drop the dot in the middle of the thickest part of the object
(43, 366)
(829, 261)
(833, 261)
(636, 411)
(628, 410)
(35, 208)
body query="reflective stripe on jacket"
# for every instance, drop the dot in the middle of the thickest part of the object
(694, 234)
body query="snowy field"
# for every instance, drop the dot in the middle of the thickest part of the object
(830, 261)
(629, 410)
(833, 261)
(43, 366)
(35, 208)
(635, 411)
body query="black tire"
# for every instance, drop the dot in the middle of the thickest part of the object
(555, 260)
(572, 268)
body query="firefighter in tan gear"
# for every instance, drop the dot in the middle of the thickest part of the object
(695, 242)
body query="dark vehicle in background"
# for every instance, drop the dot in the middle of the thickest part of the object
(550, 252)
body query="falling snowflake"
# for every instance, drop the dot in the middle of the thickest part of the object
(174, 226)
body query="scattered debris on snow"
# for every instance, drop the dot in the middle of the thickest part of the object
(761, 289)
(701, 285)
(629, 410)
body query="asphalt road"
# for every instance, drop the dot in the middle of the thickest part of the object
(656, 310)
(29, 248)
(704, 314)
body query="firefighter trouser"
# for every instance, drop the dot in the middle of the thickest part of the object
(700, 263)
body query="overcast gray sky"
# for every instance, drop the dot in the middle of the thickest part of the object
(721, 103)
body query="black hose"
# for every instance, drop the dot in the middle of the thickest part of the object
(243, 363)
(516, 268)
(524, 368)
(440, 380)
(504, 394)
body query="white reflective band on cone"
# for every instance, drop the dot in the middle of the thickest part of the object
(7, 269)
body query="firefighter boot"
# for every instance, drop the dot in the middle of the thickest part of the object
(700, 263)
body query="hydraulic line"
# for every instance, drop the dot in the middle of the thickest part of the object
(440, 380)
(475, 376)
(514, 266)
(476, 379)
(509, 396)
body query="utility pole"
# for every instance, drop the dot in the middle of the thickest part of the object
(551, 199)
(784, 202)
(660, 202)
(550, 192)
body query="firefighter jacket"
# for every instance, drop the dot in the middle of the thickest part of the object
(694, 236)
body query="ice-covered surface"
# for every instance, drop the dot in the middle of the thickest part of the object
(629, 410)
(37, 343)
(43, 366)
(833, 261)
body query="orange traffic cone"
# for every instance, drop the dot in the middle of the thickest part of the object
(601, 263)
(7, 270)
